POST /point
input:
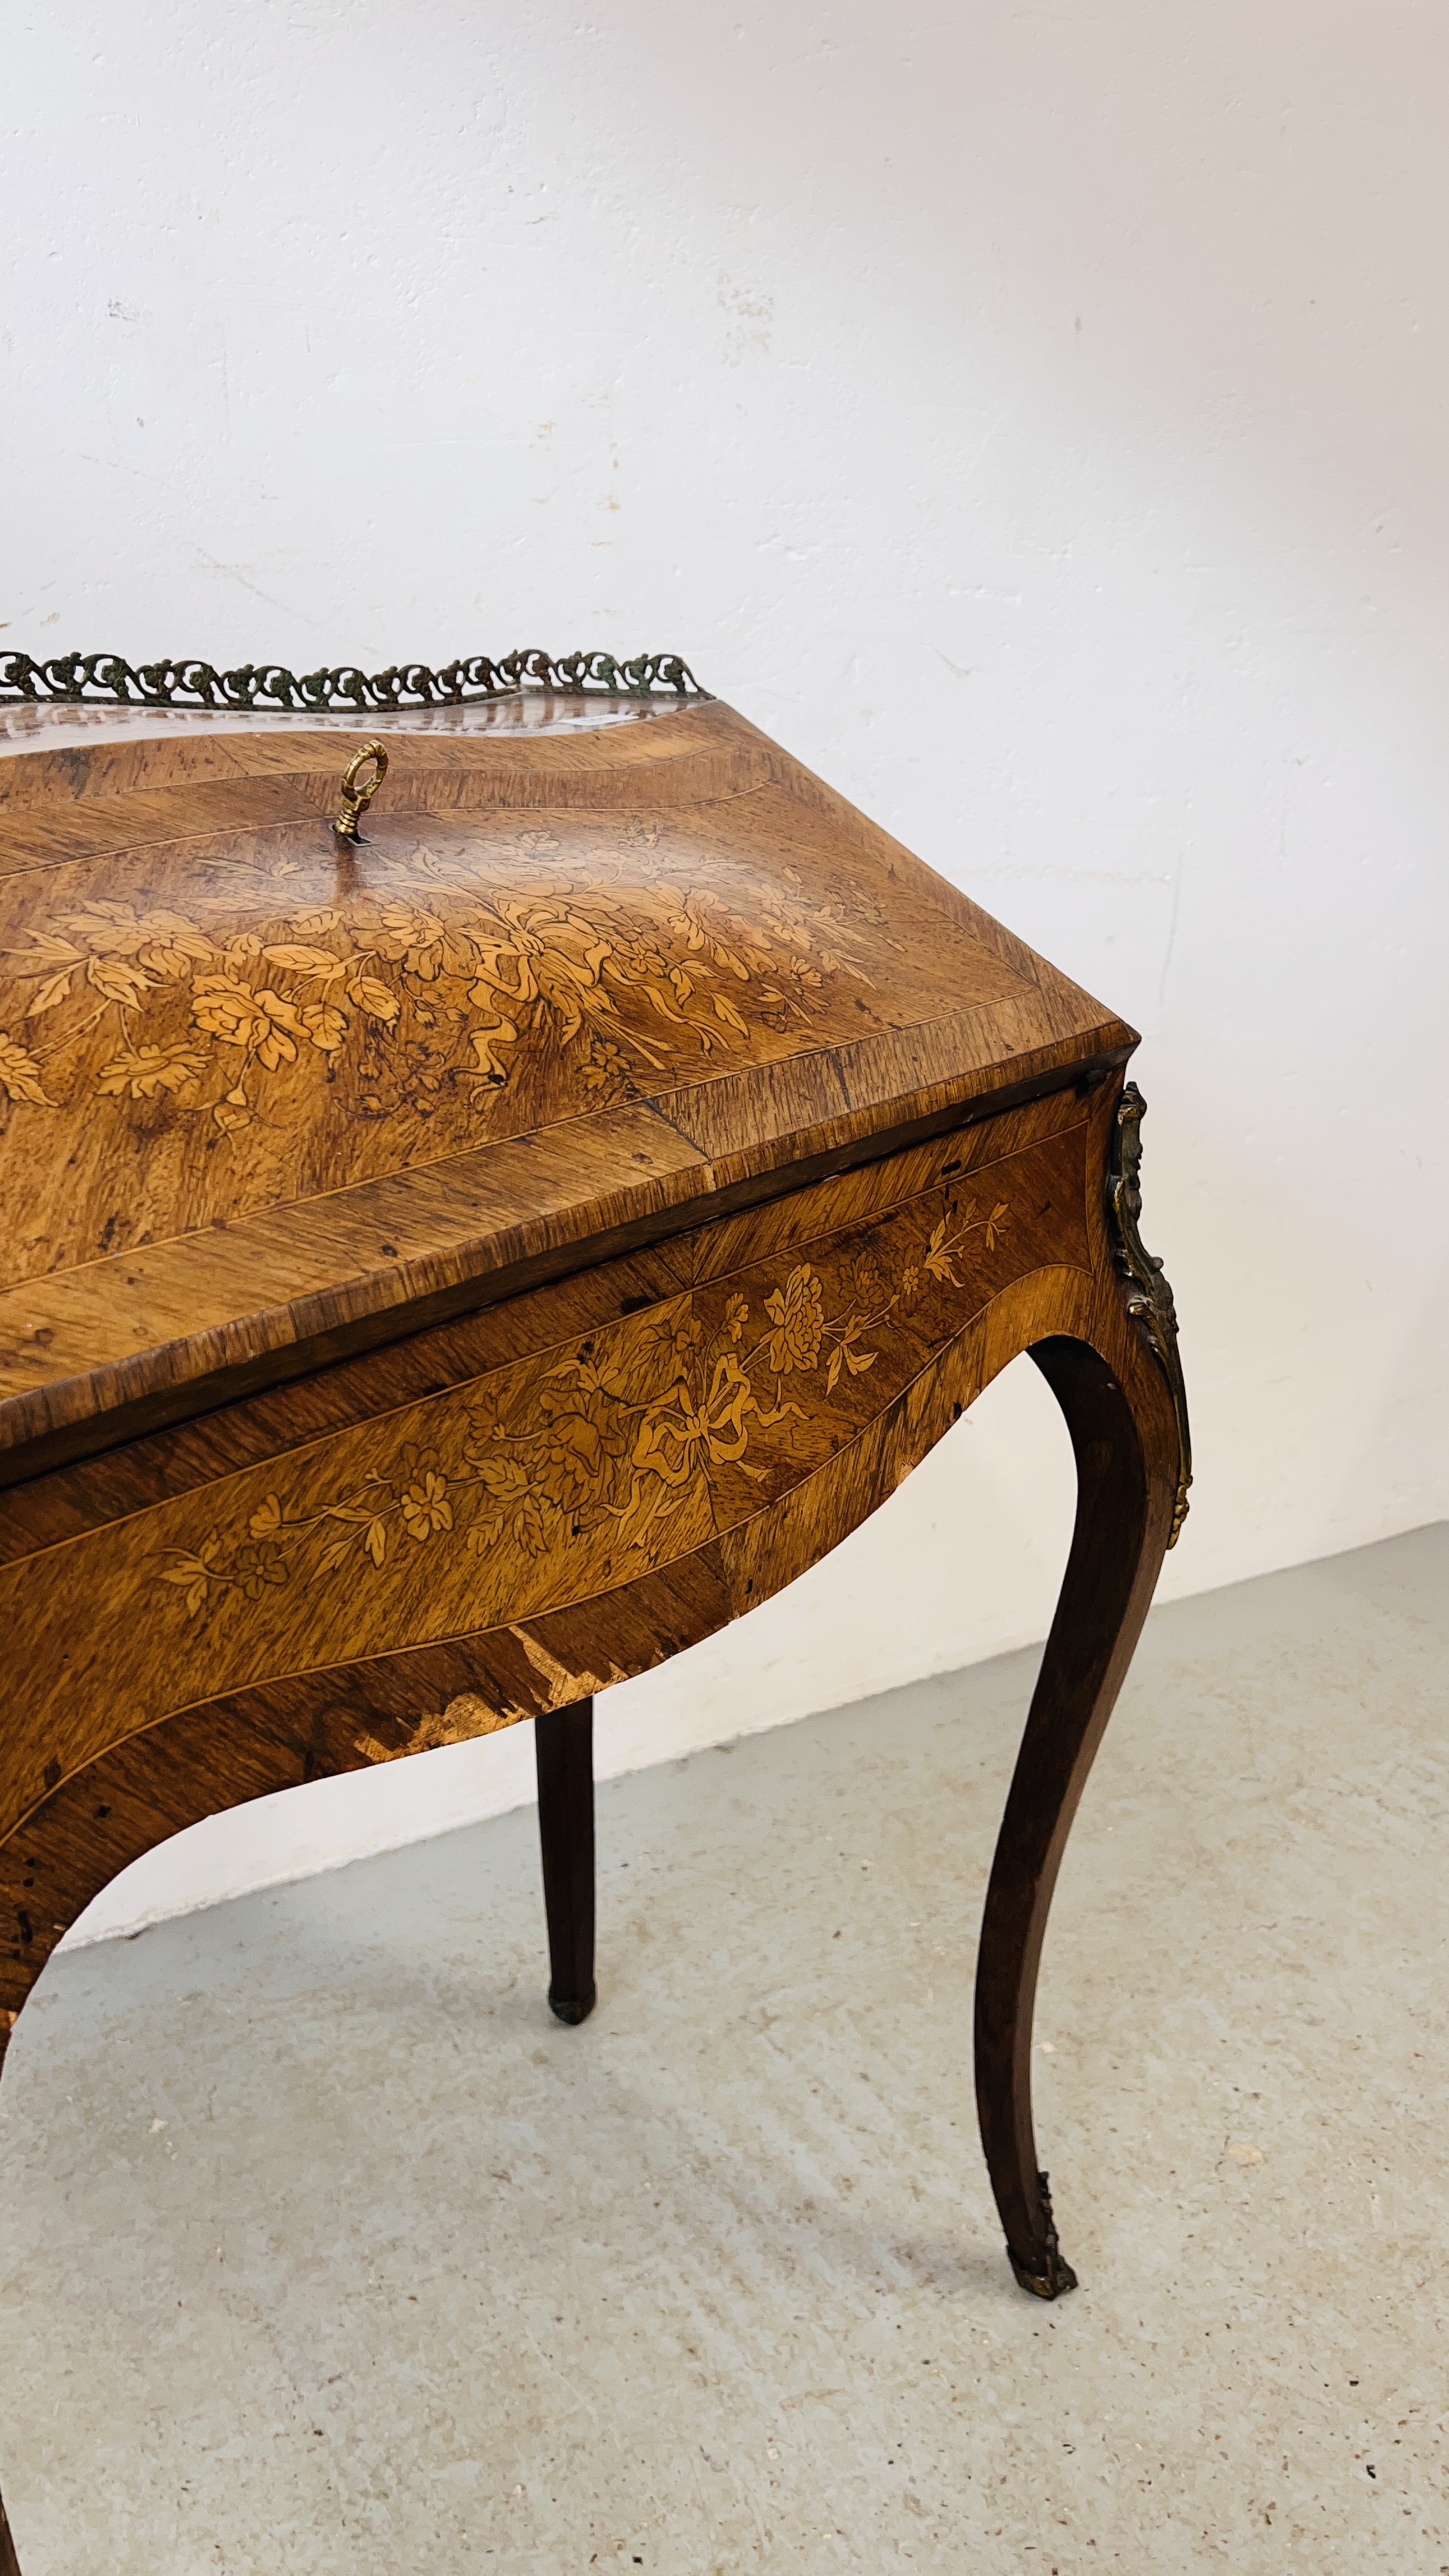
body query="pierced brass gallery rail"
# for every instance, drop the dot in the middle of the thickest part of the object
(74, 678)
(1149, 1298)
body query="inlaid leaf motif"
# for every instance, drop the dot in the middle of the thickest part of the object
(377, 999)
(51, 993)
(325, 1025)
(47, 950)
(19, 1072)
(938, 1254)
(278, 1046)
(528, 1525)
(172, 945)
(194, 1571)
(120, 979)
(107, 929)
(307, 961)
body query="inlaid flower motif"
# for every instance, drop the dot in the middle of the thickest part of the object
(227, 1009)
(583, 1435)
(605, 1064)
(645, 1411)
(416, 938)
(677, 1338)
(425, 1505)
(257, 1565)
(869, 1279)
(613, 973)
(571, 1458)
(641, 960)
(798, 1316)
(147, 1071)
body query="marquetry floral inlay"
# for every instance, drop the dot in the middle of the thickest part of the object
(643, 1413)
(436, 980)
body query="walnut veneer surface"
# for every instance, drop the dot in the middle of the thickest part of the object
(444, 1276)
(578, 985)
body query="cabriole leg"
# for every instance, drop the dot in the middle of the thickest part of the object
(564, 1743)
(1127, 1462)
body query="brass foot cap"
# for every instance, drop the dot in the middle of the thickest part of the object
(1052, 2283)
(1046, 2273)
(570, 2008)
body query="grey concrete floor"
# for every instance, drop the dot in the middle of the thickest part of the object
(323, 2248)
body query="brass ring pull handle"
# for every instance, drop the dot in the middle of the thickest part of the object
(356, 799)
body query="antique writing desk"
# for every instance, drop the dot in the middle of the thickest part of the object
(448, 1270)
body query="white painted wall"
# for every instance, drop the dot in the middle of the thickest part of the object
(1034, 415)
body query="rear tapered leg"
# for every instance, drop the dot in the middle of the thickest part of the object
(564, 1743)
(1126, 1481)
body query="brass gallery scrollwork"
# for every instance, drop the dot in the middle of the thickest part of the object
(624, 1429)
(442, 978)
(77, 678)
(1149, 1298)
